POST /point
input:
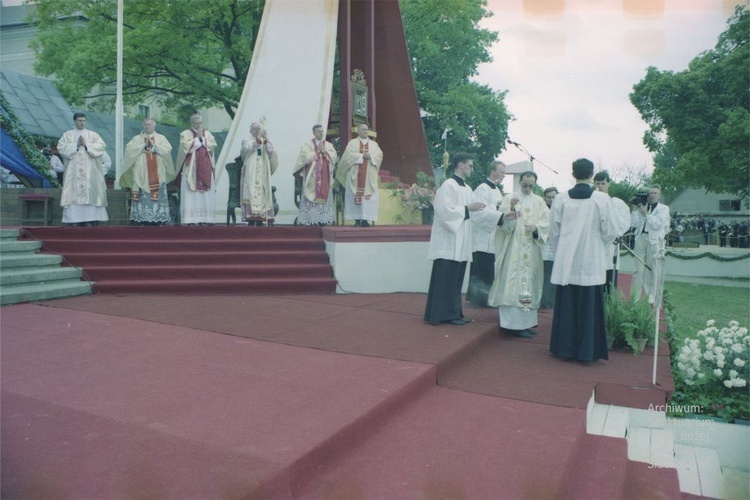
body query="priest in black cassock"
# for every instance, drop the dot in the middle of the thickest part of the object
(450, 244)
(583, 225)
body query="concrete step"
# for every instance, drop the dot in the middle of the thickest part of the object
(8, 246)
(699, 470)
(652, 446)
(9, 234)
(15, 260)
(38, 275)
(710, 457)
(15, 294)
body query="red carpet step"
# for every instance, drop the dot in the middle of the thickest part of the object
(97, 405)
(194, 260)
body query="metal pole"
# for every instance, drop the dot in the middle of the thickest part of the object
(118, 99)
(658, 271)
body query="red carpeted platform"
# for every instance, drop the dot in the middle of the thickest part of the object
(194, 259)
(307, 396)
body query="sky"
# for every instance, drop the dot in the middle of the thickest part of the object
(569, 66)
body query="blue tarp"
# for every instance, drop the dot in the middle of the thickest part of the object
(12, 159)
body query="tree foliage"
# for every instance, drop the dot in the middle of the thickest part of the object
(446, 46)
(188, 54)
(193, 55)
(699, 123)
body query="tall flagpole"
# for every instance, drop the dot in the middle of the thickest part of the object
(118, 99)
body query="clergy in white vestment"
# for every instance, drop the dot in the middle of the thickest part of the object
(259, 161)
(483, 226)
(518, 267)
(84, 191)
(450, 244)
(195, 166)
(583, 225)
(147, 168)
(315, 165)
(358, 171)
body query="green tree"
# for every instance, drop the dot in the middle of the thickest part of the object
(699, 122)
(188, 54)
(446, 46)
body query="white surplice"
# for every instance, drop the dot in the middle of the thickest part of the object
(451, 230)
(484, 222)
(592, 224)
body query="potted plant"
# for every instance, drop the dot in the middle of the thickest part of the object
(615, 315)
(629, 322)
(641, 317)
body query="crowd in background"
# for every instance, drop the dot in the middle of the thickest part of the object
(709, 231)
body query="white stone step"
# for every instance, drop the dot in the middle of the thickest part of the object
(14, 246)
(712, 458)
(15, 294)
(37, 275)
(651, 445)
(13, 260)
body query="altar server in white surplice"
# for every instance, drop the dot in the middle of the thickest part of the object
(450, 244)
(621, 211)
(84, 192)
(518, 267)
(483, 226)
(583, 225)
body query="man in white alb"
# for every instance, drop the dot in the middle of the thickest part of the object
(84, 192)
(358, 172)
(518, 268)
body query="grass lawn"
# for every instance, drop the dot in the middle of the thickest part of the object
(695, 304)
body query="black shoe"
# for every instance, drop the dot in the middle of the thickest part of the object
(530, 331)
(357, 223)
(365, 223)
(457, 322)
(519, 333)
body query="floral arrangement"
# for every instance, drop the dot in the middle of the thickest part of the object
(418, 196)
(712, 371)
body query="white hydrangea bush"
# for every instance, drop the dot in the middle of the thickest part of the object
(716, 355)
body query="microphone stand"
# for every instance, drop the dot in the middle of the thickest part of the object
(531, 157)
(631, 252)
